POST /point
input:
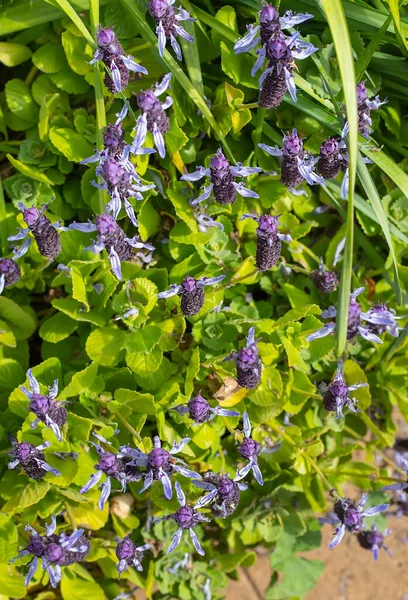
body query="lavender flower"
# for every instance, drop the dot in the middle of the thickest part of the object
(269, 246)
(249, 365)
(200, 410)
(9, 273)
(364, 108)
(167, 27)
(191, 293)
(160, 464)
(349, 517)
(278, 49)
(225, 493)
(111, 53)
(336, 396)
(116, 466)
(325, 281)
(49, 411)
(281, 52)
(152, 117)
(373, 540)
(187, 517)
(55, 551)
(297, 165)
(45, 233)
(222, 177)
(31, 458)
(379, 319)
(112, 237)
(205, 221)
(250, 450)
(333, 157)
(129, 554)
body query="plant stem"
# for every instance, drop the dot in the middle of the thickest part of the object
(3, 218)
(31, 75)
(70, 515)
(129, 427)
(318, 470)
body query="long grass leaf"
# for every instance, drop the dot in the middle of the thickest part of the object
(394, 172)
(191, 54)
(368, 53)
(341, 38)
(395, 12)
(171, 65)
(214, 23)
(372, 194)
(75, 18)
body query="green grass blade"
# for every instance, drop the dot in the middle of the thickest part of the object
(372, 194)
(395, 12)
(339, 30)
(191, 54)
(170, 64)
(368, 53)
(99, 98)
(394, 172)
(73, 15)
(214, 23)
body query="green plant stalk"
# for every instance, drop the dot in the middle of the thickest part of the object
(76, 19)
(99, 99)
(341, 38)
(170, 64)
(3, 217)
(70, 515)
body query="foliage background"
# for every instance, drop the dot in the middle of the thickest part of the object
(127, 376)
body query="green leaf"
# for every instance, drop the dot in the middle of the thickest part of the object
(32, 493)
(12, 55)
(80, 382)
(49, 58)
(353, 373)
(139, 403)
(72, 144)
(21, 319)
(88, 517)
(20, 101)
(29, 171)
(365, 58)
(77, 53)
(11, 375)
(66, 7)
(77, 588)
(12, 583)
(144, 340)
(230, 562)
(191, 372)
(338, 27)
(57, 328)
(395, 11)
(145, 364)
(105, 346)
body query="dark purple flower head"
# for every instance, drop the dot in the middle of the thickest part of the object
(249, 448)
(106, 37)
(336, 396)
(24, 450)
(126, 549)
(31, 215)
(268, 224)
(277, 49)
(248, 356)
(112, 172)
(268, 15)
(219, 165)
(6, 265)
(189, 284)
(292, 145)
(186, 517)
(40, 404)
(159, 458)
(325, 281)
(362, 93)
(199, 409)
(54, 553)
(226, 486)
(147, 101)
(330, 146)
(36, 545)
(106, 224)
(368, 539)
(113, 136)
(108, 464)
(158, 8)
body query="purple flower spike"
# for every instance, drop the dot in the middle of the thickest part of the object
(373, 540)
(114, 466)
(379, 319)
(187, 517)
(153, 117)
(191, 293)
(31, 458)
(47, 409)
(336, 396)
(225, 493)
(9, 273)
(200, 410)
(269, 246)
(55, 551)
(349, 517)
(44, 232)
(249, 365)
(278, 49)
(118, 64)
(364, 107)
(333, 158)
(223, 180)
(249, 449)
(297, 165)
(167, 27)
(325, 281)
(160, 464)
(129, 554)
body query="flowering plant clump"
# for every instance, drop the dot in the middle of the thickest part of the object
(187, 377)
